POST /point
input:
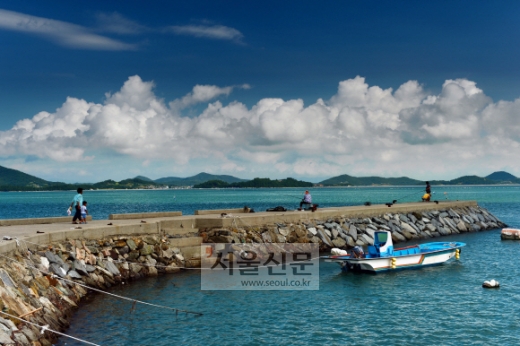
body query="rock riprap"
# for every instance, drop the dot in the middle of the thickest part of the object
(38, 284)
(347, 232)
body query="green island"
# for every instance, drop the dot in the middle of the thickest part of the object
(14, 180)
(257, 182)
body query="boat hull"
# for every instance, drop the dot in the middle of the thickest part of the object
(391, 263)
(510, 234)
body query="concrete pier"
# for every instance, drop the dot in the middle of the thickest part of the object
(60, 229)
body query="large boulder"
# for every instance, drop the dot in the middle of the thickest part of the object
(352, 231)
(403, 218)
(146, 250)
(325, 237)
(443, 230)
(111, 267)
(406, 227)
(339, 242)
(79, 266)
(131, 244)
(397, 237)
(350, 241)
(366, 239)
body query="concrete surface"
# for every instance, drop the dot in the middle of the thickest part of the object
(46, 230)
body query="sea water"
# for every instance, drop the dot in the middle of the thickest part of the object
(442, 305)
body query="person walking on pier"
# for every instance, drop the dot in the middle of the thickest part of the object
(76, 204)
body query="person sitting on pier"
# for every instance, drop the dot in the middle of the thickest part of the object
(307, 200)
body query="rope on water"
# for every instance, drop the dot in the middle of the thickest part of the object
(108, 293)
(45, 328)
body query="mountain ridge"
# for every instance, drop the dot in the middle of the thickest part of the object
(14, 180)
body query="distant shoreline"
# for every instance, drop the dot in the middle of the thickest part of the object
(257, 188)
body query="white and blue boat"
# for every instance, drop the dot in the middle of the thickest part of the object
(382, 256)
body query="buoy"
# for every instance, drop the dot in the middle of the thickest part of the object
(491, 284)
(457, 254)
(393, 263)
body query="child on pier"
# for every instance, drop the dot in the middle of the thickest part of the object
(84, 212)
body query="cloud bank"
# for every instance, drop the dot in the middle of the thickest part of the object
(361, 130)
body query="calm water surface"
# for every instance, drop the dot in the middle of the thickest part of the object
(443, 305)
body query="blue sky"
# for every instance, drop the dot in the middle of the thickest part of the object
(272, 89)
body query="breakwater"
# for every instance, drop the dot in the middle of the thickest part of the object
(347, 232)
(37, 279)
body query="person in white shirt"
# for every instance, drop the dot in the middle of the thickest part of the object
(84, 212)
(307, 199)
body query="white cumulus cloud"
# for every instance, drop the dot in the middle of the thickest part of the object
(361, 130)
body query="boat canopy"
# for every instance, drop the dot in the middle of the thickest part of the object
(383, 245)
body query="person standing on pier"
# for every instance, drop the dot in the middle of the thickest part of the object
(428, 192)
(84, 212)
(76, 204)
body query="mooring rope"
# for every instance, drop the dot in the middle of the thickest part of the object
(45, 328)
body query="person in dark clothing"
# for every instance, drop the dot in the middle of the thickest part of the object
(428, 192)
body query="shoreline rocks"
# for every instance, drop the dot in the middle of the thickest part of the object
(39, 284)
(344, 232)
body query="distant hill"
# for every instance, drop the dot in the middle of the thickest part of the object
(140, 177)
(465, 180)
(256, 183)
(13, 177)
(125, 184)
(347, 180)
(197, 179)
(14, 180)
(502, 176)
(494, 178)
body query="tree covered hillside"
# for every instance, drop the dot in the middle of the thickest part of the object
(347, 180)
(255, 183)
(10, 176)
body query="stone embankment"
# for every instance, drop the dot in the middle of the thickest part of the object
(347, 232)
(38, 285)
(37, 282)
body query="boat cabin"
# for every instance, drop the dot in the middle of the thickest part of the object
(383, 245)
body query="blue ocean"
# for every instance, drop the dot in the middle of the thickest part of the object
(443, 305)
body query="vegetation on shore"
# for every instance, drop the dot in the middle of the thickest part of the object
(255, 183)
(494, 178)
(14, 180)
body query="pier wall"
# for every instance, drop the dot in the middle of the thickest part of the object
(39, 267)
